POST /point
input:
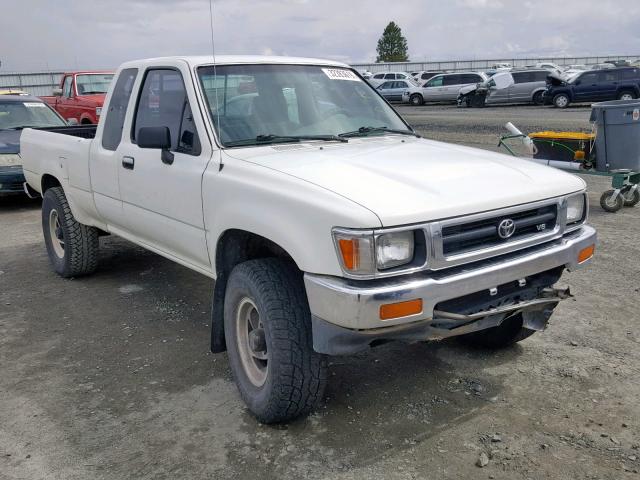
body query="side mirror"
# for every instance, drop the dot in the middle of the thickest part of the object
(156, 137)
(72, 122)
(57, 92)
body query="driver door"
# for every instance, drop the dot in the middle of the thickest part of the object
(162, 200)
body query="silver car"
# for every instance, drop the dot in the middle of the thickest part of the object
(394, 90)
(443, 88)
(382, 77)
(528, 87)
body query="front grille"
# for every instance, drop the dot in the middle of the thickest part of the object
(466, 237)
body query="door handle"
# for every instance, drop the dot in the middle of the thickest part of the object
(128, 162)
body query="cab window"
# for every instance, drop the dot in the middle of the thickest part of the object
(66, 86)
(114, 121)
(163, 102)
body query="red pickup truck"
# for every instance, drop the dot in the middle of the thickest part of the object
(80, 96)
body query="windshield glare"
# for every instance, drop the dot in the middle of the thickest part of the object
(248, 101)
(93, 84)
(27, 114)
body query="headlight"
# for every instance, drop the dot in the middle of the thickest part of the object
(394, 249)
(10, 159)
(576, 208)
(363, 253)
(98, 111)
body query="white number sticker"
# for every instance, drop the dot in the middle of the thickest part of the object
(34, 104)
(340, 74)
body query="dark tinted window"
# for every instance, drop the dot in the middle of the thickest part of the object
(629, 74)
(163, 103)
(390, 76)
(540, 76)
(608, 76)
(452, 80)
(112, 133)
(470, 78)
(522, 77)
(589, 78)
(379, 75)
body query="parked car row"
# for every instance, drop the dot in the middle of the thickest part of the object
(528, 85)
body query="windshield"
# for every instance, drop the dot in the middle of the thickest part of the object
(258, 102)
(15, 115)
(93, 83)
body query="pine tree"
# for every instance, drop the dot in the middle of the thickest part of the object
(392, 46)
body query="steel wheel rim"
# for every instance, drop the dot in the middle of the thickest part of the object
(56, 233)
(561, 101)
(626, 96)
(252, 342)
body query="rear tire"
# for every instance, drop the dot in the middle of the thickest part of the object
(626, 95)
(509, 332)
(538, 98)
(416, 99)
(561, 100)
(72, 247)
(608, 204)
(267, 327)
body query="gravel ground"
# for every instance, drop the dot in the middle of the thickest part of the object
(109, 377)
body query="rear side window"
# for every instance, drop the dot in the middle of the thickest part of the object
(390, 76)
(540, 76)
(114, 121)
(631, 74)
(401, 85)
(163, 103)
(469, 78)
(452, 80)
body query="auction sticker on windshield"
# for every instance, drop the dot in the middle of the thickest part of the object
(340, 74)
(34, 104)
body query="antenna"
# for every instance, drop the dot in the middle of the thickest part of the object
(215, 73)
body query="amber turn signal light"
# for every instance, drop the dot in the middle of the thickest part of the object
(400, 309)
(350, 253)
(586, 253)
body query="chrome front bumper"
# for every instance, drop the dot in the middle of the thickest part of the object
(355, 305)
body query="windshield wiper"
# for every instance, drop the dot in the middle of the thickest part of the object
(271, 138)
(22, 127)
(364, 131)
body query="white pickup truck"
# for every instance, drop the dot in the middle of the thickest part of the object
(328, 224)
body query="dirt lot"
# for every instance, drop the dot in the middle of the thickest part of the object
(109, 377)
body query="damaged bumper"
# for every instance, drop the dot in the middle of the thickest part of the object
(346, 313)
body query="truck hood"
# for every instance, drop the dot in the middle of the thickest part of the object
(407, 180)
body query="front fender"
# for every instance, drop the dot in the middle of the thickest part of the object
(294, 214)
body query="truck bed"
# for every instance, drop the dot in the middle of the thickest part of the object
(81, 131)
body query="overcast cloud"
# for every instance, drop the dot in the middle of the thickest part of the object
(43, 35)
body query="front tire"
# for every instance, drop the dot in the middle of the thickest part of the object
(561, 100)
(267, 327)
(508, 333)
(72, 247)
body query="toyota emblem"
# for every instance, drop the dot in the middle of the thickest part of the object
(506, 228)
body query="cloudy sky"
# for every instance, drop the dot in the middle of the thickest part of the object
(48, 34)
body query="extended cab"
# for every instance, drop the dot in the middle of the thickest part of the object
(80, 96)
(327, 223)
(593, 86)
